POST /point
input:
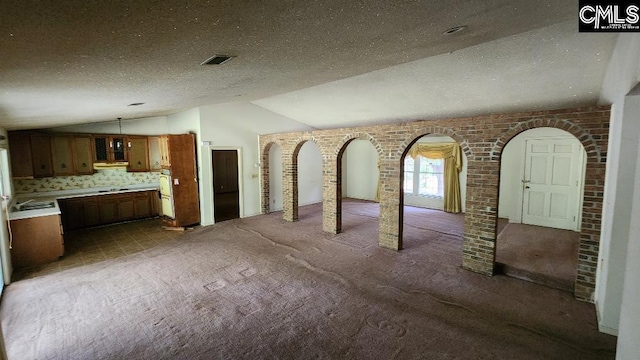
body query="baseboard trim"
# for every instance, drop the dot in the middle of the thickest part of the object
(603, 329)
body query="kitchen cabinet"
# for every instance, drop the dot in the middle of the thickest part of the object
(138, 153)
(126, 206)
(36, 241)
(41, 155)
(165, 160)
(156, 202)
(91, 211)
(142, 204)
(95, 210)
(20, 150)
(83, 154)
(78, 213)
(155, 158)
(182, 197)
(62, 155)
(74, 214)
(109, 148)
(108, 207)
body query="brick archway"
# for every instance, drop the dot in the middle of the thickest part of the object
(290, 175)
(332, 181)
(400, 153)
(265, 196)
(592, 203)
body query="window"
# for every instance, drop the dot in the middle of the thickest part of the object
(424, 177)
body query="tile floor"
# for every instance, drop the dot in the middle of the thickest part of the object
(88, 246)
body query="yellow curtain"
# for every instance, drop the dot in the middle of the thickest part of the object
(452, 156)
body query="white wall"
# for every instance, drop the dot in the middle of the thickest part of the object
(434, 203)
(624, 133)
(275, 178)
(512, 169)
(360, 170)
(309, 174)
(629, 339)
(237, 125)
(5, 168)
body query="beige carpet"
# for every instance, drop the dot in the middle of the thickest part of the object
(262, 288)
(543, 255)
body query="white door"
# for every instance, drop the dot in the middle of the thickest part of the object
(552, 183)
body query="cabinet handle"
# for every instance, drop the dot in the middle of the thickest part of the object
(111, 144)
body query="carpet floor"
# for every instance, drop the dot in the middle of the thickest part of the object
(263, 288)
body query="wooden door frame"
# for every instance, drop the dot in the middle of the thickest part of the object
(238, 150)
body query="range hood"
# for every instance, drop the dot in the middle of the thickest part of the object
(110, 165)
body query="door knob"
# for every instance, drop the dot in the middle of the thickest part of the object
(526, 187)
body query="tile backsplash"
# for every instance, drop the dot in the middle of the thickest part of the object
(103, 178)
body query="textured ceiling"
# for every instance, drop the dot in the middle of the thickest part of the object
(74, 61)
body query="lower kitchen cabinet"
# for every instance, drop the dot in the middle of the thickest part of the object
(36, 241)
(89, 211)
(142, 202)
(126, 206)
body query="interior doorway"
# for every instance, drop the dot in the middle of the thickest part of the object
(542, 174)
(226, 191)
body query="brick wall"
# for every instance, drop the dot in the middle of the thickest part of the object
(482, 138)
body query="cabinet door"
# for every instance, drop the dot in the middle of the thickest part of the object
(20, 150)
(108, 209)
(91, 212)
(62, 155)
(156, 203)
(138, 159)
(164, 151)
(101, 148)
(73, 214)
(83, 154)
(41, 154)
(142, 204)
(126, 207)
(117, 148)
(155, 158)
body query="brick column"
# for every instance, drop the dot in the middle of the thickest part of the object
(590, 230)
(480, 221)
(290, 187)
(332, 195)
(390, 231)
(265, 196)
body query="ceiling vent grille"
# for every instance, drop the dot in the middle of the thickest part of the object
(217, 60)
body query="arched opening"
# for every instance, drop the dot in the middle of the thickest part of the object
(359, 187)
(542, 174)
(275, 178)
(433, 166)
(309, 164)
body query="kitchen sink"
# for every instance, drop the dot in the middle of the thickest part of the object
(34, 205)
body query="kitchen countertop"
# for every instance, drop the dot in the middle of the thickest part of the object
(54, 196)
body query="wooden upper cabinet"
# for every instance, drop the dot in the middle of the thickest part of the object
(155, 158)
(20, 150)
(138, 153)
(62, 155)
(41, 155)
(165, 160)
(83, 154)
(109, 148)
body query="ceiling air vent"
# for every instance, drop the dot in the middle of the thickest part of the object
(217, 60)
